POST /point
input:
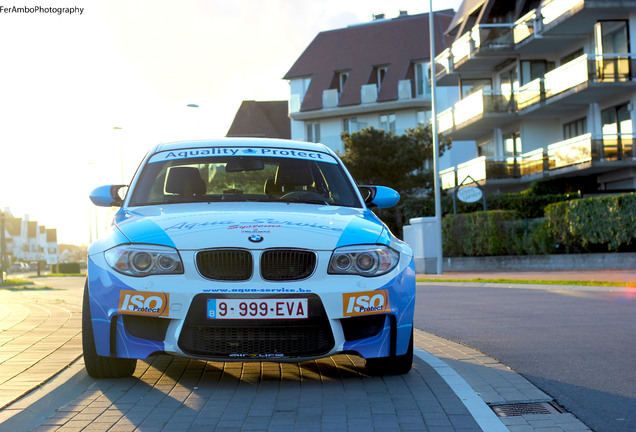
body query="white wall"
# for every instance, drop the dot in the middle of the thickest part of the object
(536, 134)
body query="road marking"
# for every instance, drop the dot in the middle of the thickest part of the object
(483, 415)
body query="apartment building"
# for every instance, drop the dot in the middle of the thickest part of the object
(372, 74)
(546, 90)
(27, 240)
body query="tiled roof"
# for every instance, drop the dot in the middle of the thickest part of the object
(358, 49)
(267, 119)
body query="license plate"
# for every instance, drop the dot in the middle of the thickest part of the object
(257, 308)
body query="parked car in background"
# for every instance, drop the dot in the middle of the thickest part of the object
(247, 250)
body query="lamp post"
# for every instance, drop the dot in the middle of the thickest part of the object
(438, 202)
(121, 149)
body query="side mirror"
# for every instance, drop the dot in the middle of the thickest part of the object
(107, 196)
(379, 196)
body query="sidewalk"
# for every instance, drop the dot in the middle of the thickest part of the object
(40, 336)
(627, 276)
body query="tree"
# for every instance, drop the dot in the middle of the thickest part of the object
(377, 157)
(398, 161)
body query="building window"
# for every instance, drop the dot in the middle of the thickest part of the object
(574, 55)
(378, 75)
(470, 86)
(575, 128)
(611, 37)
(617, 129)
(533, 69)
(423, 117)
(486, 148)
(387, 122)
(512, 144)
(421, 78)
(313, 132)
(342, 80)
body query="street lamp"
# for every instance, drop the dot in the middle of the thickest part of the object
(121, 149)
(438, 202)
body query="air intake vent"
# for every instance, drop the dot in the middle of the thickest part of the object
(285, 265)
(225, 264)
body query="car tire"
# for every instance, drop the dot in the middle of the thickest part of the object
(396, 365)
(98, 366)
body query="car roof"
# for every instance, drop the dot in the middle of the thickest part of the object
(243, 142)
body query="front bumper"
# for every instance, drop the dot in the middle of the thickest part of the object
(181, 327)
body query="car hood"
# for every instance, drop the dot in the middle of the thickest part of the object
(251, 225)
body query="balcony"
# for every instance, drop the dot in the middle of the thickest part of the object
(481, 48)
(581, 149)
(553, 10)
(599, 155)
(588, 73)
(480, 169)
(482, 110)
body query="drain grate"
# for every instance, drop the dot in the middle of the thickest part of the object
(519, 409)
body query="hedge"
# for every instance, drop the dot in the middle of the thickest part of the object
(478, 234)
(527, 206)
(593, 224)
(598, 224)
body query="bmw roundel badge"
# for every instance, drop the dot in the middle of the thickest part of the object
(255, 238)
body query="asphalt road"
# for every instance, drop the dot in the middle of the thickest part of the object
(577, 346)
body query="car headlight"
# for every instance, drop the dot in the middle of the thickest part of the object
(363, 260)
(144, 260)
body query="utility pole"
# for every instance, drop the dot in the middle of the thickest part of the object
(438, 199)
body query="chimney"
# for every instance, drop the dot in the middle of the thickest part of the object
(378, 17)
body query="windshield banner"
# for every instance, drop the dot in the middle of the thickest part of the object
(241, 151)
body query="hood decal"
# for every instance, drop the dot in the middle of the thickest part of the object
(193, 227)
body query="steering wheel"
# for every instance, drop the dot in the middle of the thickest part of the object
(302, 195)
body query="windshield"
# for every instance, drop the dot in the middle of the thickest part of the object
(169, 178)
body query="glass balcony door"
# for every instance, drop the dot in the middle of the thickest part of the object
(617, 133)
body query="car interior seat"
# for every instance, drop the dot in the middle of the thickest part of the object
(185, 181)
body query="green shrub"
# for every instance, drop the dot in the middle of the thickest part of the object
(593, 224)
(478, 234)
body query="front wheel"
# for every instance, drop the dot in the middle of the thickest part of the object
(397, 365)
(96, 365)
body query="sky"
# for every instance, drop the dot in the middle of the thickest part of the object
(83, 97)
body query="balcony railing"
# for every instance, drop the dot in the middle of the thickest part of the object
(597, 68)
(445, 120)
(530, 94)
(493, 36)
(484, 167)
(532, 162)
(553, 9)
(567, 76)
(474, 105)
(572, 151)
(524, 27)
(445, 59)
(462, 47)
(612, 67)
(613, 147)
(447, 178)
